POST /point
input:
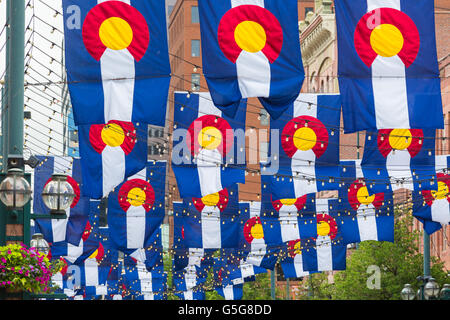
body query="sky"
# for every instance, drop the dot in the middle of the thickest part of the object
(42, 101)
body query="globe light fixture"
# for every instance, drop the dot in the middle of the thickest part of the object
(431, 289)
(39, 243)
(15, 191)
(58, 194)
(408, 292)
(445, 292)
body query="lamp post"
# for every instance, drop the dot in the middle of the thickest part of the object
(39, 243)
(15, 191)
(408, 292)
(58, 195)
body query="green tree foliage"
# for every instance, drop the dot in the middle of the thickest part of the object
(398, 263)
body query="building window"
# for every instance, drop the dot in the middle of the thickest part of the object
(195, 82)
(195, 48)
(103, 218)
(308, 9)
(264, 117)
(194, 15)
(170, 9)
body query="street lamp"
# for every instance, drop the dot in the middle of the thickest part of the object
(15, 191)
(58, 194)
(39, 243)
(445, 292)
(408, 292)
(431, 289)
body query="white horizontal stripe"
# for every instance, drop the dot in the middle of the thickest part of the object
(324, 253)
(91, 271)
(113, 166)
(211, 231)
(390, 93)
(208, 169)
(375, 4)
(305, 105)
(398, 167)
(235, 3)
(298, 266)
(301, 166)
(367, 223)
(206, 105)
(253, 71)
(440, 211)
(118, 73)
(135, 227)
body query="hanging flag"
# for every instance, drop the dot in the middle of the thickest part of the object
(399, 158)
(299, 231)
(111, 153)
(364, 216)
(140, 281)
(117, 60)
(151, 255)
(308, 156)
(211, 153)
(388, 65)
(432, 207)
(251, 49)
(210, 222)
(56, 230)
(231, 292)
(326, 250)
(191, 295)
(280, 218)
(253, 244)
(292, 261)
(136, 208)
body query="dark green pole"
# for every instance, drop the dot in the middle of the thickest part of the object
(272, 284)
(5, 95)
(426, 261)
(17, 77)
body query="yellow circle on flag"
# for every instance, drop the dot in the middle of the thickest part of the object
(257, 231)
(94, 254)
(115, 33)
(400, 139)
(386, 40)
(298, 248)
(288, 202)
(136, 197)
(113, 135)
(442, 192)
(211, 200)
(305, 138)
(210, 138)
(250, 36)
(363, 196)
(323, 228)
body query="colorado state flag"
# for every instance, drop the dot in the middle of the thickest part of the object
(56, 230)
(364, 216)
(117, 60)
(308, 156)
(136, 208)
(399, 158)
(211, 222)
(109, 154)
(251, 48)
(388, 68)
(432, 207)
(209, 147)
